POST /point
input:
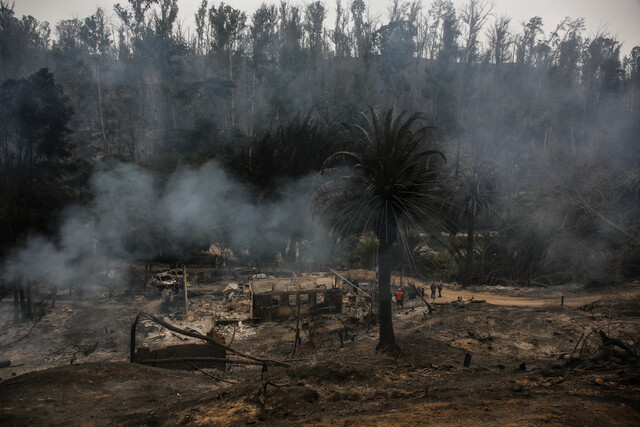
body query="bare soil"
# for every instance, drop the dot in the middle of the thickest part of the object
(532, 362)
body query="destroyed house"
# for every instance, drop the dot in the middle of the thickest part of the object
(280, 298)
(190, 356)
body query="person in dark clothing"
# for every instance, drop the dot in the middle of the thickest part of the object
(440, 284)
(433, 287)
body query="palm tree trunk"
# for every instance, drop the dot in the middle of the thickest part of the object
(387, 342)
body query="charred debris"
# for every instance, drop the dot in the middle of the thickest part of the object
(313, 310)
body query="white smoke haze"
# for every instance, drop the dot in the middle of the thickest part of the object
(134, 217)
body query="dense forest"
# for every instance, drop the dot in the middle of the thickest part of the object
(125, 135)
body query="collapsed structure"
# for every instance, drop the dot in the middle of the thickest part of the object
(282, 298)
(211, 354)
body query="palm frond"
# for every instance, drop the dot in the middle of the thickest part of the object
(388, 181)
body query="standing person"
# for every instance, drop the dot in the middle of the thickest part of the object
(399, 298)
(440, 284)
(434, 286)
(377, 271)
(412, 294)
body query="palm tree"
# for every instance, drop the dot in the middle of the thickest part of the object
(391, 186)
(477, 196)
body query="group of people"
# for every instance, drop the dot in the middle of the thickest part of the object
(435, 286)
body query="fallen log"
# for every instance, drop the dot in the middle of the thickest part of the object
(201, 359)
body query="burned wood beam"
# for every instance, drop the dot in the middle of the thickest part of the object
(421, 297)
(209, 375)
(340, 276)
(608, 341)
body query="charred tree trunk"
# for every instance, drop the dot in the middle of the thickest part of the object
(387, 235)
(23, 303)
(29, 302)
(297, 337)
(16, 302)
(292, 253)
(104, 133)
(184, 290)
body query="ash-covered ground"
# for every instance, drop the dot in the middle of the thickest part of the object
(532, 361)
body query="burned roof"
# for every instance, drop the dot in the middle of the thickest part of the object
(289, 284)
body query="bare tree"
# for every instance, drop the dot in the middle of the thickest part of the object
(500, 39)
(473, 15)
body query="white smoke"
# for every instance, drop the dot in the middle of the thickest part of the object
(133, 214)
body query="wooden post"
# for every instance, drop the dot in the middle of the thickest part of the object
(184, 289)
(467, 360)
(54, 293)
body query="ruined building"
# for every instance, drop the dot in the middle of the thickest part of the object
(281, 298)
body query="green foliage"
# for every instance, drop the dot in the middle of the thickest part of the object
(293, 150)
(356, 251)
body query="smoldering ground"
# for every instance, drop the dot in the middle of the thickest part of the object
(134, 215)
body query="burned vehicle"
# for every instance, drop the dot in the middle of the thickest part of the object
(168, 280)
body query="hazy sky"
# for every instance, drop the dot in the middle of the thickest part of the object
(619, 17)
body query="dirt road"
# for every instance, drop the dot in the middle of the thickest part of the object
(538, 297)
(514, 301)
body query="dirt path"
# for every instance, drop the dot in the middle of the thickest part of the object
(574, 295)
(449, 295)
(491, 298)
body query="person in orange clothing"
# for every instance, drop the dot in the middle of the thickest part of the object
(399, 298)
